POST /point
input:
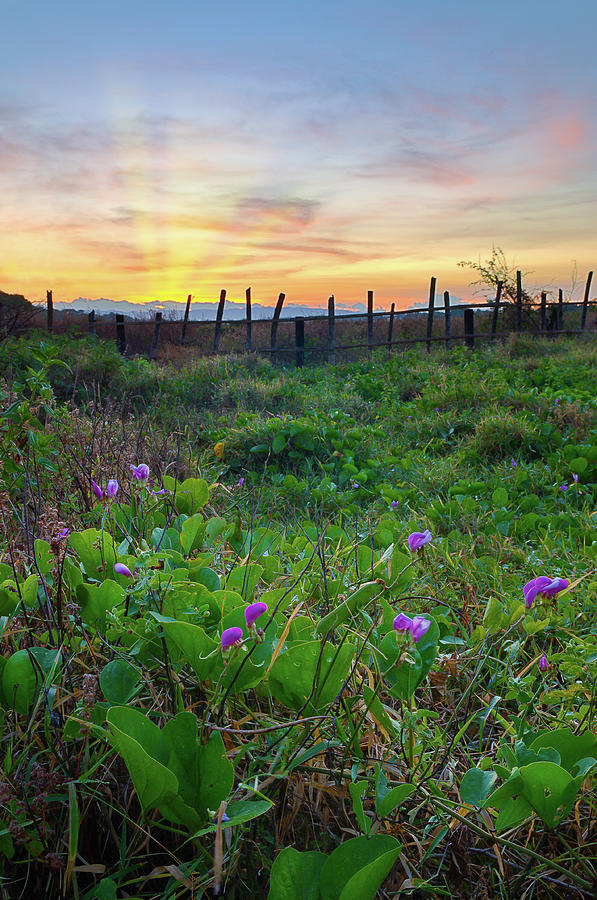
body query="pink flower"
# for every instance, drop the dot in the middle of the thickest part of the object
(253, 612)
(97, 490)
(121, 569)
(419, 627)
(575, 478)
(232, 637)
(543, 664)
(141, 472)
(543, 586)
(111, 489)
(402, 623)
(241, 481)
(418, 539)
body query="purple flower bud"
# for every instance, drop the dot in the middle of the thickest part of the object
(121, 569)
(231, 637)
(402, 623)
(543, 585)
(513, 463)
(97, 490)
(253, 612)
(563, 487)
(418, 539)
(543, 664)
(575, 478)
(141, 472)
(394, 505)
(63, 534)
(241, 481)
(419, 627)
(111, 489)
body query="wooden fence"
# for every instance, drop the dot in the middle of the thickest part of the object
(323, 338)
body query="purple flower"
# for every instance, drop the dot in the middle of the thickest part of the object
(394, 505)
(241, 481)
(563, 487)
(419, 627)
(543, 585)
(111, 489)
(253, 612)
(543, 664)
(232, 637)
(513, 463)
(402, 623)
(97, 490)
(575, 478)
(418, 539)
(355, 485)
(121, 569)
(63, 534)
(141, 472)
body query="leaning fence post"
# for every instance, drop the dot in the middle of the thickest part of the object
(275, 320)
(469, 327)
(430, 312)
(560, 309)
(50, 310)
(391, 326)
(543, 311)
(585, 302)
(331, 331)
(185, 321)
(299, 335)
(496, 309)
(249, 321)
(369, 322)
(447, 318)
(120, 335)
(519, 300)
(156, 335)
(91, 322)
(219, 315)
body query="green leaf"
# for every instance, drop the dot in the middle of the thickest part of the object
(216, 774)
(238, 813)
(571, 747)
(244, 580)
(310, 672)
(23, 675)
(394, 798)
(357, 868)
(96, 551)
(500, 497)
(193, 644)
(295, 875)
(119, 681)
(476, 786)
(96, 599)
(550, 790)
(191, 533)
(345, 610)
(357, 790)
(191, 495)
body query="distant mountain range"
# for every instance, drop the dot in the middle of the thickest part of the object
(200, 310)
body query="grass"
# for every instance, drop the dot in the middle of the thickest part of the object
(336, 743)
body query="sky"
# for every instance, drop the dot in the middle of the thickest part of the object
(153, 149)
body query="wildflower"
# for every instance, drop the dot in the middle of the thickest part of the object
(241, 481)
(355, 485)
(394, 505)
(253, 612)
(418, 539)
(513, 463)
(97, 490)
(543, 586)
(219, 449)
(63, 534)
(563, 487)
(232, 637)
(575, 478)
(111, 489)
(121, 569)
(402, 623)
(141, 472)
(543, 664)
(419, 627)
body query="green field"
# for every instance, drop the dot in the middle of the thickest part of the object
(323, 754)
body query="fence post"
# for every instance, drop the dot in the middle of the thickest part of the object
(519, 300)
(156, 335)
(560, 309)
(275, 320)
(120, 335)
(369, 322)
(469, 327)
(447, 318)
(430, 312)
(496, 309)
(331, 331)
(50, 310)
(391, 327)
(219, 315)
(543, 311)
(185, 321)
(249, 321)
(299, 335)
(585, 302)
(91, 322)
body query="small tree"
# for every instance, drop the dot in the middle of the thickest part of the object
(491, 272)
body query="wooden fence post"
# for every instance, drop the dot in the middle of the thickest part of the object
(299, 335)
(185, 321)
(560, 309)
(543, 311)
(120, 335)
(275, 320)
(430, 312)
(219, 315)
(249, 321)
(331, 331)
(519, 300)
(369, 322)
(50, 310)
(91, 322)
(585, 302)
(448, 318)
(156, 335)
(496, 309)
(391, 327)
(469, 327)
